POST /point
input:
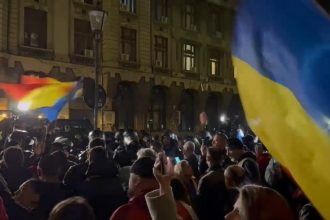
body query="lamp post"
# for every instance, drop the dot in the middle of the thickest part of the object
(97, 18)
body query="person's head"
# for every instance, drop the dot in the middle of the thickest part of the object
(166, 139)
(220, 141)
(259, 149)
(48, 169)
(188, 148)
(235, 149)
(74, 208)
(156, 146)
(146, 152)
(61, 162)
(27, 194)
(97, 142)
(260, 203)
(183, 169)
(141, 178)
(234, 176)
(308, 212)
(96, 154)
(13, 157)
(97, 133)
(213, 156)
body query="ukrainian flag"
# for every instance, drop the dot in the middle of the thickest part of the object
(282, 63)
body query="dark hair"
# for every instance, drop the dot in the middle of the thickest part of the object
(13, 157)
(143, 167)
(48, 165)
(97, 142)
(235, 143)
(74, 208)
(97, 154)
(61, 162)
(215, 153)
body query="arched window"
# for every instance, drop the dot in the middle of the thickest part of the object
(157, 110)
(187, 108)
(124, 106)
(212, 109)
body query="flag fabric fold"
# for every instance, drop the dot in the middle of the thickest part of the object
(281, 55)
(45, 94)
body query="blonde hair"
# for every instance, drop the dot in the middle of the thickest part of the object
(178, 168)
(74, 208)
(259, 203)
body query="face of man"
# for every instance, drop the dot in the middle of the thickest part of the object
(219, 142)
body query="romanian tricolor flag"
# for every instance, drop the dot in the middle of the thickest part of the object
(45, 94)
(282, 62)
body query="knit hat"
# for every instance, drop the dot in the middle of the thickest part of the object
(235, 143)
(143, 167)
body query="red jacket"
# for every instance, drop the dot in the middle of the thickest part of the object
(137, 208)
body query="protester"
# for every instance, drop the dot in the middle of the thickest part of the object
(245, 159)
(190, 156)
(184, 174)
(101, 187)
(211, 194)
(74, 208)
(76, 173)
(260, 203)
(12, 168)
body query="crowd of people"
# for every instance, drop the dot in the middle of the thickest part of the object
(139, 176)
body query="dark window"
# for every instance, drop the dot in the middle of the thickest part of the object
(35, 28)
(124, 107)
(216, 23)
(189, 57)
(83, 38)
(128, 45)
(190, 17)
(213, 110)
(128, 5)
(161, 13)
(187, 111)
(214, 63)
(161, 54)
(89, 2)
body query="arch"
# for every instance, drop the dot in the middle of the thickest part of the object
(124, 106)
(212, 109)
(157, 108)
(187, 108)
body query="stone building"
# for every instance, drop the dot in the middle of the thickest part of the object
(163, 61)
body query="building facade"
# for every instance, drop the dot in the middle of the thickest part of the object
(163, 61)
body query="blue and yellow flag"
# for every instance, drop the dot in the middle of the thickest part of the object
(282, 61)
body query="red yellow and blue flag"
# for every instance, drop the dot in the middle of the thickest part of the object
(281, 53)
(45, 94)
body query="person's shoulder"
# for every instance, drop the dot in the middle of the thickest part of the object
(121, 212)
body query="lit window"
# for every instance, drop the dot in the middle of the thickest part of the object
(189, 58)
(128, 5)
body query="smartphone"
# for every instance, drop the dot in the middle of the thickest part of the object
(177, 160)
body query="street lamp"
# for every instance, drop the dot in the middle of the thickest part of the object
(97, 19)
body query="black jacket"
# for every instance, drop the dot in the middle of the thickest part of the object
(193, 162)
(249, 164)
(211, 195)
(102, 188)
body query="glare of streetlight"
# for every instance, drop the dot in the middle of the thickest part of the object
(24, 106)
(223, 118)
(4, 115)
(40, 116)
